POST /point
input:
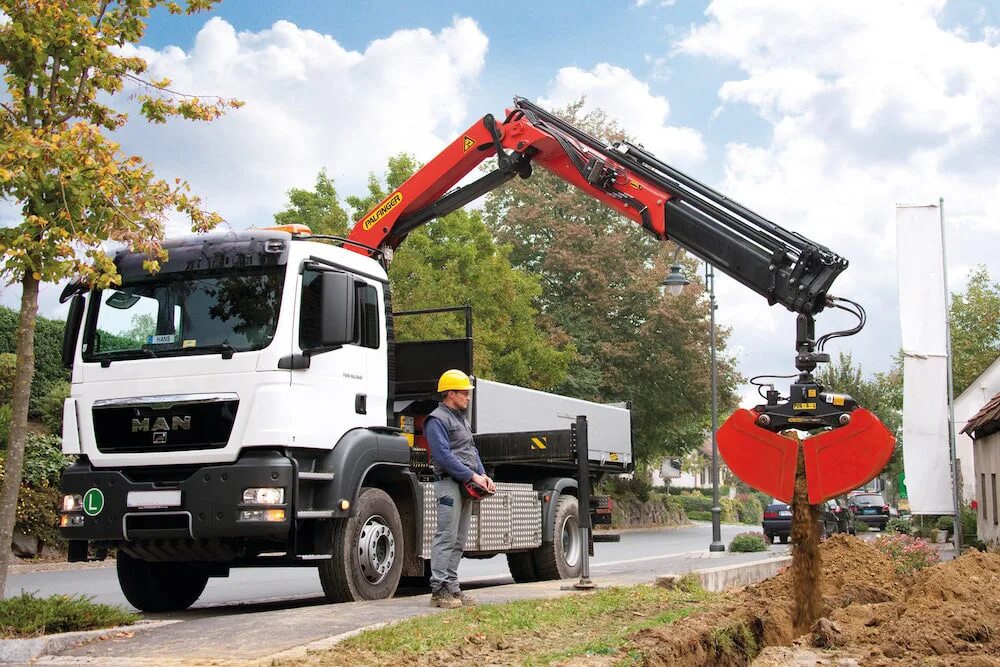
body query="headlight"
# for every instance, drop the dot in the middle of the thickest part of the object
(72, 503)
(264, 496)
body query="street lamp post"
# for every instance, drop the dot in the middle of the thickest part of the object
(674, 284)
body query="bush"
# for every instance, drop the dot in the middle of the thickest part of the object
(699, 516)
(29, 616)
(50, 406)
(748, 542)
(908, 554)
(730, 511)
(898, 525)
(659, 510)
(945, 523)
(860, 526)
(694, 503)
(637, 486)
(38, 498)
(749, 509)
(5, 414)
(7, 360)
(969, 521)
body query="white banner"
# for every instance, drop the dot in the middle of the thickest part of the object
(926, 455)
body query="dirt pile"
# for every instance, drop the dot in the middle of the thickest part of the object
(852, 574)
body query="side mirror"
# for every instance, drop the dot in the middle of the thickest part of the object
(72, 330)
(336, 321)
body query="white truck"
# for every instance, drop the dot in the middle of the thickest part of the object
(248, 405)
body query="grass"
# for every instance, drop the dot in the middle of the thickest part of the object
(27, 615)
(529, 632)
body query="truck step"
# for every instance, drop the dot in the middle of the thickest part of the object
(607, 537)
(315, 476)
(315, 514)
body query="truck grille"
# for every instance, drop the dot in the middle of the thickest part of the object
(164, 423)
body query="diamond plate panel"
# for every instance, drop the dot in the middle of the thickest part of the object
(509, 519)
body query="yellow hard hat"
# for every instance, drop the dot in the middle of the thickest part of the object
(454, 380)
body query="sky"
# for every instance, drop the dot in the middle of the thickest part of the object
(819, 115)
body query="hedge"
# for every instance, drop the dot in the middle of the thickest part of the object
(48, 353)
(694, 503)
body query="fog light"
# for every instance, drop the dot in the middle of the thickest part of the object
(251, 515)
(72, 503)
(264, 496)
(70, 521)
(275, 515)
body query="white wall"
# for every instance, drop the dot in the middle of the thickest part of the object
(967, 404)
(987, 469)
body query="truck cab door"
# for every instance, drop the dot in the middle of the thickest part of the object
(330, 395)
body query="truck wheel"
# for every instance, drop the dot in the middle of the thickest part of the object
(158, 587)
(560, 558)
(367, 551)
(522, 567)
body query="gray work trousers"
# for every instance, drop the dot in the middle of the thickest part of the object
(453, 514)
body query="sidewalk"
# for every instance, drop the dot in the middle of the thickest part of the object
(233, 635)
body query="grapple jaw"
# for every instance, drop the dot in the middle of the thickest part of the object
(839, 460)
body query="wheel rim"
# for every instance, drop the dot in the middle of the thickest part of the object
(376, 549)
(571, 541)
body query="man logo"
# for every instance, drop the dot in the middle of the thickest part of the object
(160, 424)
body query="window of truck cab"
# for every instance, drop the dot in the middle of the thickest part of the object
(184, 313)
(366, 311)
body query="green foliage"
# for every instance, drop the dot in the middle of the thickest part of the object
(453, 261)
(860, 526)
(7, 362)
(637, 485)
(27, 615)
(319, 208)
(699, 516)
(975, 328)
(48, 355)
(50, 406)
(695, 503)
(38, 499)
(968, 519)
(898, 525)
(909, 554)
(730, 510)
(748, 542)
(5, 414)
(749, 509)
(600, 277)
(945, 523)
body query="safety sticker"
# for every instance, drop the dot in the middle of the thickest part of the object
(538, 443)
(93, 502)
(613, 456)
(804, 406)
(836, 399)
(467, 143)
(190, 342)
(383, 209)
(635, 185)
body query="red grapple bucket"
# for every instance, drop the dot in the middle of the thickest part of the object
(836, 461)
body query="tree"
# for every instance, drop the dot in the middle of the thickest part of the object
(452, 261)
(319, 209)
(600, 276)
(75, 188)
(975, 328)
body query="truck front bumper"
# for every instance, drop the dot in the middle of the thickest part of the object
(207, 504)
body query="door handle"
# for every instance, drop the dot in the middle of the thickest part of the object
(361, 404)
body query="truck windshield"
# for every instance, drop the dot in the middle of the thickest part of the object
(185, 313)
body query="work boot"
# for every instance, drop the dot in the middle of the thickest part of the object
(445, 600)
(466, 599)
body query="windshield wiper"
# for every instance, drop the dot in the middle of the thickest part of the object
(226, 349)
(107, 357)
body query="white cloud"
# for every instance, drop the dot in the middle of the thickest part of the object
(628, 100)
(869, 104)
(310, 103)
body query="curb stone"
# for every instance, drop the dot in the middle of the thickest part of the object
(26, 650)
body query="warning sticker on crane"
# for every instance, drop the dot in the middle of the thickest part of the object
(390, 202)
(467, 143)
(538, 443)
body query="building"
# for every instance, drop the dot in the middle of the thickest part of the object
(984, 428)
(968, 404)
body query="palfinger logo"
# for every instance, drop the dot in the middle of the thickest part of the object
(390, 202)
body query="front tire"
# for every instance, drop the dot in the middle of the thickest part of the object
(159, 587)
(368, 554)
(560, 558)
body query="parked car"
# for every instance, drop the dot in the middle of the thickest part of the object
(871, 508)
(777, 522)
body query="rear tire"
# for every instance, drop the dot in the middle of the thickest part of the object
(522, 567)
(769, 537)
(560, 558)
(158, 587)
(784, 539)
(367, 551)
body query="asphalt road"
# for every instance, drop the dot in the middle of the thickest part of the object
(639, 553)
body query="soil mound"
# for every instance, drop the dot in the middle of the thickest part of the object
(948, 614)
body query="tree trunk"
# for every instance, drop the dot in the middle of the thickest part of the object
(24, 370)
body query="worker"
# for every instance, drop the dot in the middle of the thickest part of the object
(455, 461)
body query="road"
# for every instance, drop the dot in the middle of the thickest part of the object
(640, 553)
